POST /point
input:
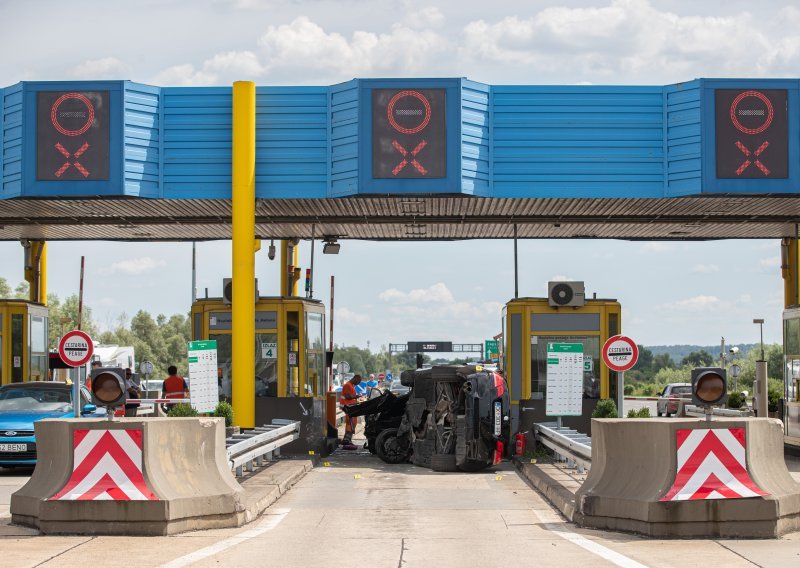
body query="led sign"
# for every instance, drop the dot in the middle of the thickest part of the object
(72, 136)
(430, 346)
(752, 134)
(408, 133)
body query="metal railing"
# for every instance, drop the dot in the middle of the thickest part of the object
(253, 447)
(574, 447)
(693, 410)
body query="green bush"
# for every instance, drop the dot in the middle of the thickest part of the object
(648, 390)
(628, 390)
(774, 396)
(182, 410)
(225, 410)
(605, 408)
(735, 400)
(643, 412)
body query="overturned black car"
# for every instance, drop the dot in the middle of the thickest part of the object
(455, 418)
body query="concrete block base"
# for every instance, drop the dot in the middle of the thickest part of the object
(184, 464)
(634, 463)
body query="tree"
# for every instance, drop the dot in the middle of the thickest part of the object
(663, 361)
(700, 358)
(5, 289)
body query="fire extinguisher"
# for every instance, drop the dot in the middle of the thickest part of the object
(519, 443)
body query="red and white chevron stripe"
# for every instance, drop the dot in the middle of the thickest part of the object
(712, 464)
(107, 465)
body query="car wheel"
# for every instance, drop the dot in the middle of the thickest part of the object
(443, 462)
(667, 414)
(389, 448)
(659, 413)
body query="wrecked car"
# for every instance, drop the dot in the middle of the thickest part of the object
(455, 418)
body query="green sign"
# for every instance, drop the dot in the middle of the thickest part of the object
(490, 351)
(565, 348)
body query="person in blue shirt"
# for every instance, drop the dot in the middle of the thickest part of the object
(370, 384)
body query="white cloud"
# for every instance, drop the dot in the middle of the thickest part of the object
(705, 268)
(305, 45)
(633, 37)
(105, 68)
(436, 293)
(221, 68)
(133, 267)
(770, 263)
(695, 304)
(346, 315)
(657, 246)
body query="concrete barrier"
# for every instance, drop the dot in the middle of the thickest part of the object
(182, 461)
(634, 464)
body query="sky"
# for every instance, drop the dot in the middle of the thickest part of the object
(671, 292)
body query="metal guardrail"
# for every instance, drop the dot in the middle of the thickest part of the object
(693, 410)
(253, 447)
(571, 444)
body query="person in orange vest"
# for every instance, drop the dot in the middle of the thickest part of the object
(174, 386)
(350, 396)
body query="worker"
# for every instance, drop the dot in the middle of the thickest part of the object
(174, 385)
(96, 364)
(350, 396)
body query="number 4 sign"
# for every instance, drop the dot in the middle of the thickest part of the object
(269, 350)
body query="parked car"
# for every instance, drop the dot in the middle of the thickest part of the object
(455, 418)
(668, 401)
(22, 404)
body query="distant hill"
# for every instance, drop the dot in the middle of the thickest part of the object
(678, 352)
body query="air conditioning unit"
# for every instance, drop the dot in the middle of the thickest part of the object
(227, 290)
(563, 294)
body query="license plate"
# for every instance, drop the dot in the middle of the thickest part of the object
(498, 411)
(13, 447)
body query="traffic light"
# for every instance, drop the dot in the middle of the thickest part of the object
(420, 360)
(108, 387)
(709, 386)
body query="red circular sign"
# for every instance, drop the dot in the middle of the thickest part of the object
(770, 112)
(620, 353)
(89, 118)
(425, 120)
(75, 348)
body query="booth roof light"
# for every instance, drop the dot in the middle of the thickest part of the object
(331, 246)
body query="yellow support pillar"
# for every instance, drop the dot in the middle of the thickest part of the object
(36, 270)
(789, 272)
(296, 265)
(43, 274)
(285, 288)
(243, 355)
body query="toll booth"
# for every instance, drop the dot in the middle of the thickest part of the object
(23, 341)
(529, 324)
(791, 395)
(290, 367)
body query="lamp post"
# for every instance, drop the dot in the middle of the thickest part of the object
(761, 376)
(760, 323)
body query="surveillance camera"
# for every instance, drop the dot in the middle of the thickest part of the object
(734, 350)
(271, 252)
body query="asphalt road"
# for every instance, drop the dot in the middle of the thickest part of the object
(359, 512)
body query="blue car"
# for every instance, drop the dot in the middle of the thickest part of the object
(22, 404)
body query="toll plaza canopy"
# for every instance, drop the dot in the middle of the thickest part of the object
(405, 159)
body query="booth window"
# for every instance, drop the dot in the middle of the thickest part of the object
(315, 354)
(224, 349)
(791, 334)
(16, 348)
(266, 365)
(38, 348)
(1, 348)
(292, 344)
(591, 378)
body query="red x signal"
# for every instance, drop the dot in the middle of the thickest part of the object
(78, 166)
(405, 153)
(756, 162)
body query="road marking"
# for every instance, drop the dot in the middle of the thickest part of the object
(271, 521)
(559, 528)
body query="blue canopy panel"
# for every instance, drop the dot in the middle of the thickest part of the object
(404, 137)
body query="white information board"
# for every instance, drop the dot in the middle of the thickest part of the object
(203, 388)
(564, 379)
(269, 350)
